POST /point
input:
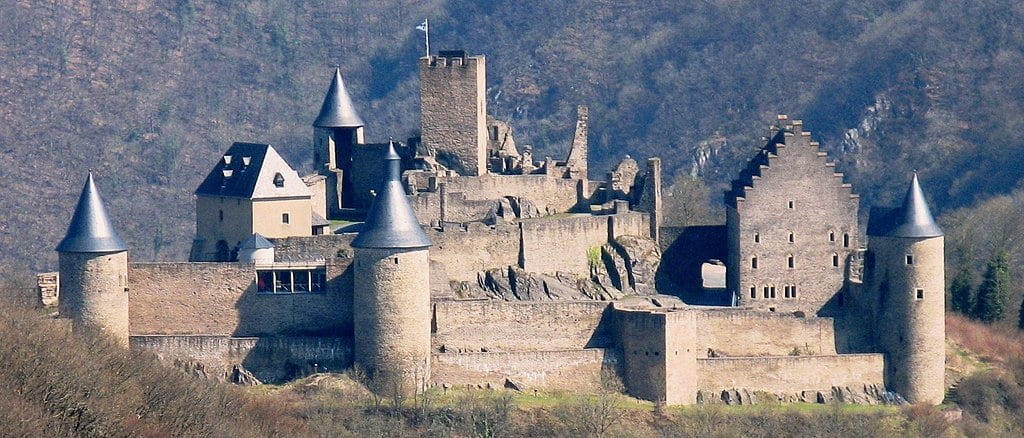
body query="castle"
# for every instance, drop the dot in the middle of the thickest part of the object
(458, 259)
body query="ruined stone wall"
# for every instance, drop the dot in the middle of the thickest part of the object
(453, 111)
(561, 244)
(733, 332)
(486, 325)
(571, 370)
(798, 209)
(221, 299)
(465, 195)
(270, 359)
(309, 248)
(93, 294)
(465, 252)
(789, 374)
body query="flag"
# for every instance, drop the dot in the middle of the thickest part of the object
(422, 26)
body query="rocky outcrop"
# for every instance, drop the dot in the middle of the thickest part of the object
(511, 207)
(515, 284)
(629, 264)
(869, 394)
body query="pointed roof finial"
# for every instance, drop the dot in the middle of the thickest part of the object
(90, 229)
(391, 222)
(913, 218)
(337, 110)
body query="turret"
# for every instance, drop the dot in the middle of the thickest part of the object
(94, 269)
(907, 278)
(336, 131)
(392, 289)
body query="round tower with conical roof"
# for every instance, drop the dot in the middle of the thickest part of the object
(94, 269)
(908, 280)
(336, 132)
(391, 304)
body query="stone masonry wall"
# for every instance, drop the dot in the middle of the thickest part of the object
(789, 374)
(270, 359)
(92, 287)
(565, 369)
(561, 244)
(487, 325)
(733, 332)
(221, 299)
(465, 252)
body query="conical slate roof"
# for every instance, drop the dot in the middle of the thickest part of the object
(391, 223)
(90, 229)
(337, 110)
(255, 241)
(913, 219)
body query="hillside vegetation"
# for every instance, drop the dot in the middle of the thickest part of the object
(149, 93)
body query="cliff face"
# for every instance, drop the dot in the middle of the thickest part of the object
(149, 94)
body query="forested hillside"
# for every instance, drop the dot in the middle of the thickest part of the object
(149, 93)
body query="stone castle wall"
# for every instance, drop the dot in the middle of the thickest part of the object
(221, 299)
(465, 252)
(561, 244)
(491, 326)
(789, 374)
(736, 332)
(270, 359)
(470, 198)
(571, 370)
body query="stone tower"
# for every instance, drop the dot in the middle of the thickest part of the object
(94, 269)
(392, 289)
(336, 132)
(906, 276)
(453, 110)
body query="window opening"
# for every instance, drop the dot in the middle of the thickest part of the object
(846, 240)
(835, 260)
(285, 218)
(278, 180)
(286, 281)
(910, 259)
(791, 261)
(920, 294)
(757, 237)
(753, 262)
(792, 204)
(792, 237)
(753, 292)
(831, 236)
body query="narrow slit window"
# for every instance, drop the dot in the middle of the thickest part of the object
(785, 291)
(846, 240)
(766, 292)
(773, 291)
(792, 291)
(757, 237)
(792, 237)
(835, 260)
(753, 262)
(791, 261)
(831, 236)
(753, 292)
(791, 204)
(920, 294)
(910, 259)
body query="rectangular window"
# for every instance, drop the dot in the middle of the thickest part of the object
(773, 291)
(753, 262)
(285, 218)
(753, 292)
(792, 204)
(766, 291)
(920, 294)
(291, 281)
(910, 259)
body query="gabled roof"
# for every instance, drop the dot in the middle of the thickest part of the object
(391, 223)
(90, 229)
(255, 241)
(912, 219)
(337, 110)
(249, 170)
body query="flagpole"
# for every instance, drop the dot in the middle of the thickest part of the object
(426, 33)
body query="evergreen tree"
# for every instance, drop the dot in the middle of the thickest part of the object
(994, 291)
(961, 291)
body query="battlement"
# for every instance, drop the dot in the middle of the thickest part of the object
(451, 59)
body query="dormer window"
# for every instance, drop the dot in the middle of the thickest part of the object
(278, 180)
